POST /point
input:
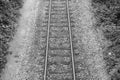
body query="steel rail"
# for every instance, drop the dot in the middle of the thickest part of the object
(47, 46)
(71, 43)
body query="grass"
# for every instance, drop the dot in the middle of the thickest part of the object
(107, 15)
(9, 14)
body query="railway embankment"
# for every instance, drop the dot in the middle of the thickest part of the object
(9, 16)
(91, 38)
(21, 43)
(107, 15)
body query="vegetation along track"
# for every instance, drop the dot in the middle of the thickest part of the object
(58, 51)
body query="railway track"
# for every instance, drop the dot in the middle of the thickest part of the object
(56, 66)
(59, 54)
